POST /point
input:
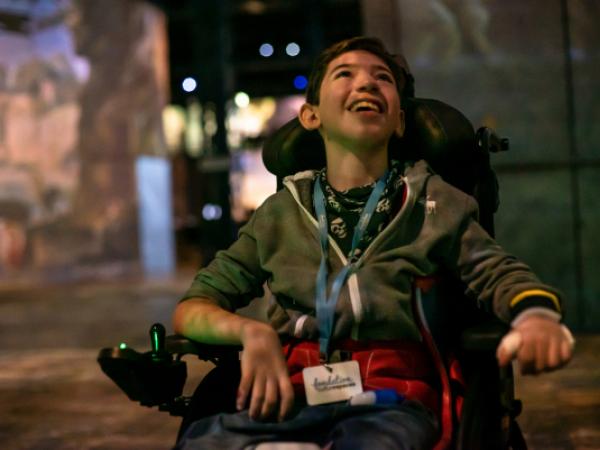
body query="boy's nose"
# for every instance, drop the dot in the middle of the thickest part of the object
(367, 82)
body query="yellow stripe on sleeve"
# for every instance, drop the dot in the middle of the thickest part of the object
(537, 293)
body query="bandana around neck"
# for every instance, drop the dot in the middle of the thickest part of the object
(344, 207)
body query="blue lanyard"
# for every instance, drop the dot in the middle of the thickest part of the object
(326, 306)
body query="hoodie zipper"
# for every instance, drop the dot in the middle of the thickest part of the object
(355, 299)
(353, 286)
(387, 229)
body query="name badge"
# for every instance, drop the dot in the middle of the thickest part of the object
(332, 382)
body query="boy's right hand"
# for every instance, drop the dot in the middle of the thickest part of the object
(264, 373)
(538, 343)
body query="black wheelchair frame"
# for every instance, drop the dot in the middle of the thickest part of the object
(445, 138)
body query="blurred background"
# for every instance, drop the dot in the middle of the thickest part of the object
(131, 131)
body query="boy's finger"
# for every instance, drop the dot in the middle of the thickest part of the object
(553, 358)
(568, 336)
(243, 389)
(566, 351)
(287, 398)
(271, 397)
(258, 397)
(526, 358)
(508, 348)
(541, 356)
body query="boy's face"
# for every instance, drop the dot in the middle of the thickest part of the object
(359, 102)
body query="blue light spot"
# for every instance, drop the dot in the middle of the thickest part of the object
(212, 212)
(266, 50)
(300, 82)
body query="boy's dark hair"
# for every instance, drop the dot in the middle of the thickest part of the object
(396, 63)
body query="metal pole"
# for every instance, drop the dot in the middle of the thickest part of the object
(580, 309)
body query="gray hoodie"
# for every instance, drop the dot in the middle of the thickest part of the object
(435, 228)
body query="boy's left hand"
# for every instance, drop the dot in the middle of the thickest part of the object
(539, 344)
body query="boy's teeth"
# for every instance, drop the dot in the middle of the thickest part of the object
(364, 104)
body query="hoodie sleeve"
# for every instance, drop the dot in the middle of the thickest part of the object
(235, 276)
(494, 277)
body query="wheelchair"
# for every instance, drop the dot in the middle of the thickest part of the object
(478, 401)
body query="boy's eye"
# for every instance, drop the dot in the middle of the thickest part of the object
(385, 77)
(343, 73)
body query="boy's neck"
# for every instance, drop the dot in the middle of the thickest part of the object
(346, 169)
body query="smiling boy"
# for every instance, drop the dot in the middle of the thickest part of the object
(339, 249)
(357, 111)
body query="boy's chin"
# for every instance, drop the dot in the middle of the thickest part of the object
(368, 142)
(372, 136)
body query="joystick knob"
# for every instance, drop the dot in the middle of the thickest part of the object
(157, 342)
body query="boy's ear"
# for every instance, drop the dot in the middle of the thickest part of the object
(309, 116)
(399, 131)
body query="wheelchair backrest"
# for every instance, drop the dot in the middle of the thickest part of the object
(435, 132)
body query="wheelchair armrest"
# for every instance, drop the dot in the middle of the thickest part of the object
(157, 377)
(148, 378)
(484, 337)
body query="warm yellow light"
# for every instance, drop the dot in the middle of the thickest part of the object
(194, 137)
(173, 119)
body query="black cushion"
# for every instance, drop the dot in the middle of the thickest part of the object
(435, 131)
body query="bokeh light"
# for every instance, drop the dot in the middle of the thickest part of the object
(300, 82)
(292, 49)
(212, 212)
(241, 100)
(189, 84)
(266, 50)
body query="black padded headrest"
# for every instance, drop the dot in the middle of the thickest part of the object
(435, 131)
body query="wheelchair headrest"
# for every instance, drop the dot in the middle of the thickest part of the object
(435, 132)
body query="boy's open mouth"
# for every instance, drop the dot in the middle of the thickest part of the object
(366, 105)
